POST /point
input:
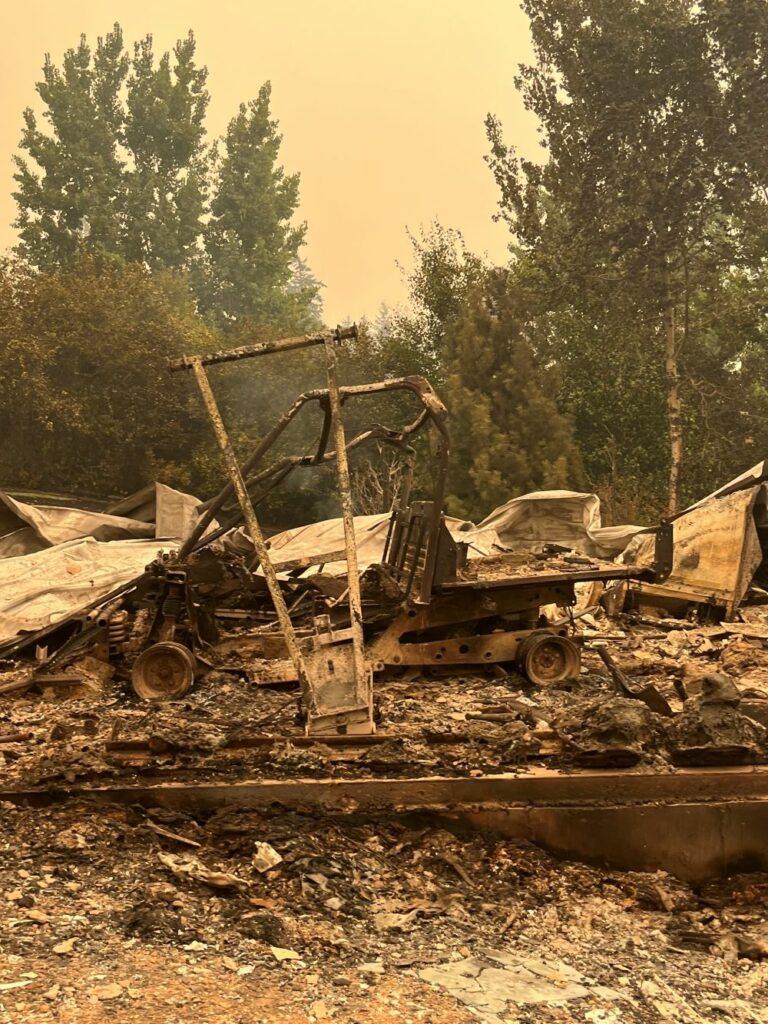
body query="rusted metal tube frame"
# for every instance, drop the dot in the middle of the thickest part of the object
(281, 468)
(321, 396)
(213, 505)
(433, 411)
(254, 531)
(264, 348)
(362, 678)
(278, 471)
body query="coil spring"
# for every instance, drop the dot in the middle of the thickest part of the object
(139, 632)
(118, 629)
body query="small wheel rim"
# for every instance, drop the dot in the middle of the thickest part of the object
(163, 672)
(549, 658)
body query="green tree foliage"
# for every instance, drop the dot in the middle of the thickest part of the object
(444, 272)
(641, 204)
(404, 342)
(86, 400)
(164, 133)
(251, 242)
(72, 192)
(467, 330)
(508, 435)
(123, 169)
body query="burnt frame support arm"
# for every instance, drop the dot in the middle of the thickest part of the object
(433, 412)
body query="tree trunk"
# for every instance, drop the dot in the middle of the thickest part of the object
(674, 414)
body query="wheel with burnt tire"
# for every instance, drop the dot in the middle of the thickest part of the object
(545, 658)
(163, 671)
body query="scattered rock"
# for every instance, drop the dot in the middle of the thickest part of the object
(106, 992)
(284, 954)
(374, 967)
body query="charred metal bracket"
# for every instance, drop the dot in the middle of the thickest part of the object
(663, 556)
(664, 551)
(647, 693)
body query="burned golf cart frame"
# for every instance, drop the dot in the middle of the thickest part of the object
(434, 619)
(433, 413)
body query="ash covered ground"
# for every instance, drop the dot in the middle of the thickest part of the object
(714, 680)
(112, 913)
(115, 913)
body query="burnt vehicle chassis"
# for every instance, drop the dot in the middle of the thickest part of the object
(409, 610)
(333, 635)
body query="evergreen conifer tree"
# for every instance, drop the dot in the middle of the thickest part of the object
(508, 435)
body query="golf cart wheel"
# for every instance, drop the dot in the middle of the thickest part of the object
(163, 672)
(547, 658)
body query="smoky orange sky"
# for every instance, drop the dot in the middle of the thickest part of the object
(381, 106)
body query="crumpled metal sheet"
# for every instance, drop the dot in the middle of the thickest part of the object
(156, 511)
(716, 554)
(570, 518)
(46, 587)
(54, 524)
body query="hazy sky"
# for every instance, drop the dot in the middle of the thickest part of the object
(381, 104)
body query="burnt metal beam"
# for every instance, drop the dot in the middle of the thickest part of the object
(532, 786)
(694, 823)
(264, 348)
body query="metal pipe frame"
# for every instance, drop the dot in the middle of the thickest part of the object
(362, 677)
(433, 412)
(255, 533)
(264, 348)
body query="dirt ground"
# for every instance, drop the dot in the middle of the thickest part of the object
(114, 914)
(118, 914)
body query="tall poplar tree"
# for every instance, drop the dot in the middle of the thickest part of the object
(165, 136)
(72, 193)
(122, 167)
(643, 198)
(251, 242)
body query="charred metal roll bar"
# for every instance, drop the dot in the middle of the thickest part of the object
(433, 412)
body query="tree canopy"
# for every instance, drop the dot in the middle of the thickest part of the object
(86, 400)
(123, 168)
(649, 196)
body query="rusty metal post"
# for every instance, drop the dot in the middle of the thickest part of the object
(361, 673)
(254, 530)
